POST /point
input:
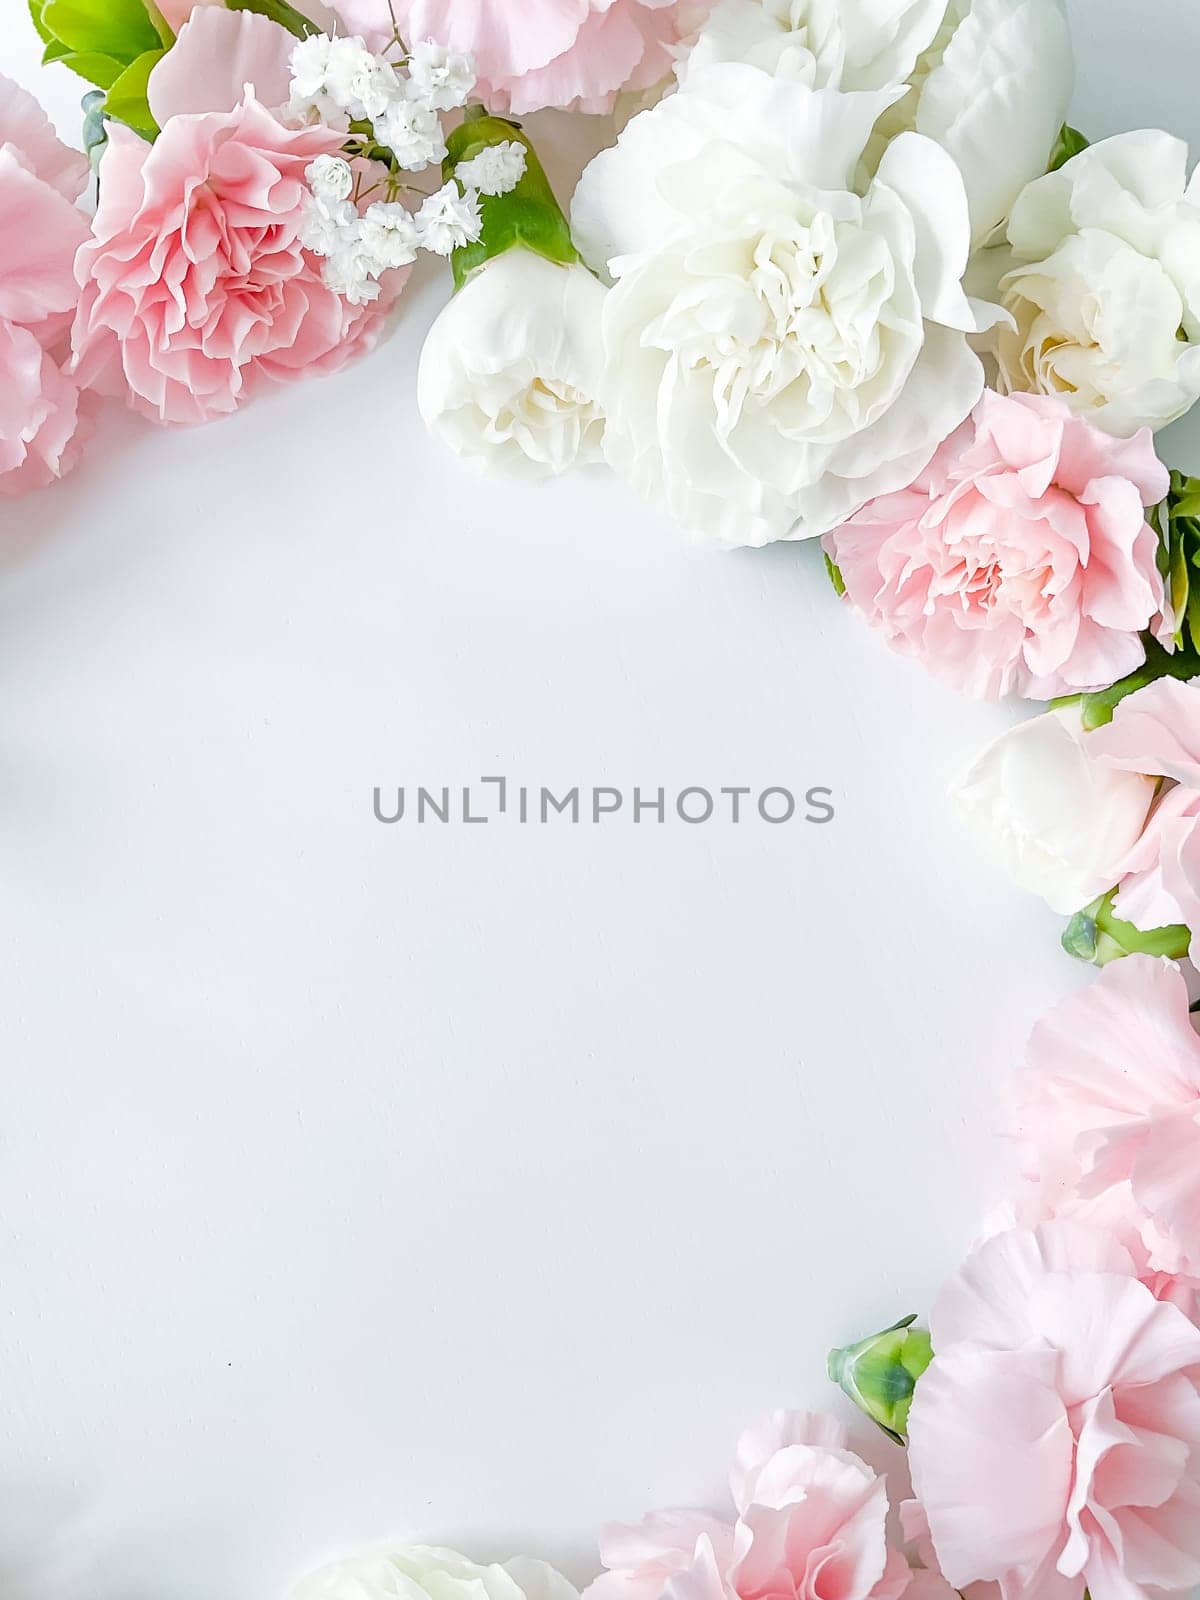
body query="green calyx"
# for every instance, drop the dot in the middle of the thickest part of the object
(880, 1373)
(1069, 143)
(1097, 935)
(528, 217)
(1177, 522)
(114, 44)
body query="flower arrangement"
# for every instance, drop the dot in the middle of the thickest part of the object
(844, 274)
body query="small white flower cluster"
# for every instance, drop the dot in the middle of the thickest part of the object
(346, 86)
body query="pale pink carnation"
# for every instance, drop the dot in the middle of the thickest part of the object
(40, 231)
(1055, 1438)
(810, 1524)
(530, 54)
(1107, 1111)
(1021, 559)
(1156, 731)
(195, 288)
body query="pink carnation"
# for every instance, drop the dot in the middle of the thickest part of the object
(1108, 1114)
(535, 53)
(40, 231)
(810, 1525)
(1157, 732)
(1055, 1438)
(1020, 559)
(195, 287)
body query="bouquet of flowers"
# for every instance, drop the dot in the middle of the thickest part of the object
(846, 273)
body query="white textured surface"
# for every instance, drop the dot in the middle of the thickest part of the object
(469, 1183)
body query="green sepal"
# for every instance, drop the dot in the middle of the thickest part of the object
(880, 1373)
(279, 11)
(1097, 709)
(127, 101)
(528, 216)
(1069, 143)
(1096, 934)
(1177, 523)
(834, 573)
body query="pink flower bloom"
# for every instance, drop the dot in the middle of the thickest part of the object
(1108, 1114)
(810, 1525)
(1055, 1438)
(216, 55)
(1157, 732)
(535, 53)
(195, 288)
(40, 231)
(1020, 559)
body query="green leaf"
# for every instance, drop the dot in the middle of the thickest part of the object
(121, 29)
(1069, 143)
(1097, 709)
(36, 7)
(835, 576)
(279, 11)
(100, 70)
(528, 217)
(159, 23)
(127, 101)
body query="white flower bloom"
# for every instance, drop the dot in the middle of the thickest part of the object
(510, 370)
(439, 76)
(389, 235)
(449, 219)
(779, 349)
(359, 83)
(326, 225)
(1105, 286)
(329, 178)
(310, 67)
(420, 1572)
(497, 169)
(1057, 820)
(413, 133)
(990, 80)
(351, 270)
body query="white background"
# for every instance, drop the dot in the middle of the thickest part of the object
(474, 1184)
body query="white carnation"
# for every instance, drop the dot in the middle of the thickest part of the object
(497, 169)
(420, 1572)
(989, 80)
(510, 370)
(1058, 821)
(779, 348)
(448, 220)
(1104, 286)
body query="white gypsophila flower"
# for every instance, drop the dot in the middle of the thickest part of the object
(1058, 821)
(779, 348)
(1104, 287)
(326, 225)
(329, 178)
(412, 131)
(440, 77)
(496, 170)
(449, 219)
(511, 368)
(351, 269)
(990, 80)
(359, 83)
(310, 67)
(421, 1572)
(389, 235)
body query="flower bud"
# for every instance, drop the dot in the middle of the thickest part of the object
(880, 1373)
